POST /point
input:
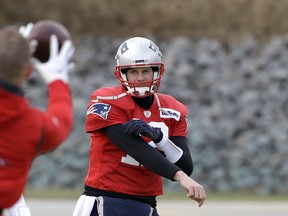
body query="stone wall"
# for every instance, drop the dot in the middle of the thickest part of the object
(237, 97)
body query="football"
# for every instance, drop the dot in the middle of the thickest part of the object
(41, 31)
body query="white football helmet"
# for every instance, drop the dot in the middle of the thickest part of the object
(139, 52)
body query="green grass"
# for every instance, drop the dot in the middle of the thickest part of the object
(64, 193)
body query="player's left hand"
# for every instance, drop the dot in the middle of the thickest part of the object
(140, 127)
(195, 191)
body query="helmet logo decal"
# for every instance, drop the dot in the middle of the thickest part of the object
(153, 47)
(124, 48)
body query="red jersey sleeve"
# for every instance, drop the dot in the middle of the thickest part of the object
(58, 119)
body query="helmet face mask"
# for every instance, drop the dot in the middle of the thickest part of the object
(139, 52)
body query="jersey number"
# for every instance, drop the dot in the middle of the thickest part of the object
(130, 160)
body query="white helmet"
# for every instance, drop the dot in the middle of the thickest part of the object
(139, 52)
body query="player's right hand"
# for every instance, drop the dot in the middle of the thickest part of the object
(59, 62)
(25, 31)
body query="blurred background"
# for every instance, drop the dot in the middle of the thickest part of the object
(227, 60)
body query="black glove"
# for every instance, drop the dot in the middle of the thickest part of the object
(137, 127)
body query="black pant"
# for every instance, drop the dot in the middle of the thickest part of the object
(111, 206)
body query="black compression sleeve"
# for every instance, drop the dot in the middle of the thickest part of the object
(141, 151)
(185, 162)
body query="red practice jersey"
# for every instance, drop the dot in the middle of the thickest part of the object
(111, 168)
(26, 132)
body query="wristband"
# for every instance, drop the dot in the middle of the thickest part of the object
(172, 152)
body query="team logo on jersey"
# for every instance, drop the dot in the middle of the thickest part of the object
(100, 109)
(169, 113)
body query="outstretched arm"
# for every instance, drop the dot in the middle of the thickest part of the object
(58, 119)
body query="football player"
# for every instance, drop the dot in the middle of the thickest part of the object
(137, 137)
(25, 131)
